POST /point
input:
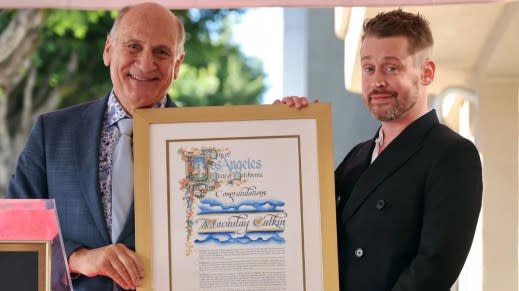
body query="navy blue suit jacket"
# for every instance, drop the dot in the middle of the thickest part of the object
(61, 161)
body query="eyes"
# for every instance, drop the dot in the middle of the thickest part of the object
(160, 52)
(163, 53)
(385, 68)
(133, 47)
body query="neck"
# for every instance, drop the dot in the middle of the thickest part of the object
(393, 128)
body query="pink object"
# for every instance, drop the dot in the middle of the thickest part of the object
(185, 4)
(27, 219)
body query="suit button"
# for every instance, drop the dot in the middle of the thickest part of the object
(380, 204)
(359, 253)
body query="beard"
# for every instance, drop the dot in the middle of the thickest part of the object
(400, 104)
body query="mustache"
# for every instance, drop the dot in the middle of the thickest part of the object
(378, 91)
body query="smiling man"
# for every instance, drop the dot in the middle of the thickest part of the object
(408, 199)
(144, 52)
(70, 154)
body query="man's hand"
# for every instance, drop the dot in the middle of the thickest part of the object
(115, 261)
(294, 101)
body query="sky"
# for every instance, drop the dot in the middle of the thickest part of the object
(260, 34)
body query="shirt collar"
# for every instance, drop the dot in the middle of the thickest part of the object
(115, 111)
(380, 137)
(378, 142)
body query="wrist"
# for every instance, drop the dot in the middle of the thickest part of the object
(74, 262)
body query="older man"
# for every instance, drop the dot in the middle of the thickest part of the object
(70, 154)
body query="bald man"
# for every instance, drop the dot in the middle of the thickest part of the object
(68, 156)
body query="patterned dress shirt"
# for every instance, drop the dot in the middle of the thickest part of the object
(109, 137)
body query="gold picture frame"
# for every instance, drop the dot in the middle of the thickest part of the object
(42, 248)
(300, 141)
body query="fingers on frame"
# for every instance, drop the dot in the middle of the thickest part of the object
(131, 263)
(119, 260)
(120, 274)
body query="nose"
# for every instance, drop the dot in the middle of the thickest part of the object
(378, 80)
(379, 83)
(146, 61)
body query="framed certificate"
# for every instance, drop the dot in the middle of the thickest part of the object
(235, 198)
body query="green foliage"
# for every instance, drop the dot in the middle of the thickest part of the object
(214, 72)
(77, 22)
(68, 32)
(5, 18)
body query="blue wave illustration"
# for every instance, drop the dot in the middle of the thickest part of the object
(212, 205)
(249, 238)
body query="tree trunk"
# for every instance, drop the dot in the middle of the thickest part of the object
(18, 42)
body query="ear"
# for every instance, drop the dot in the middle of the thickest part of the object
(107, 51)
(178, 62)
(428, 70)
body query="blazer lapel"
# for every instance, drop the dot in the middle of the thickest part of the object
(169, 102)
(87, 158)
(397, 153)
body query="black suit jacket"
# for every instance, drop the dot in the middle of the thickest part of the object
(406, 221)
(61, 161)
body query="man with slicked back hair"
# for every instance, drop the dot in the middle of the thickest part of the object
(409, 198)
